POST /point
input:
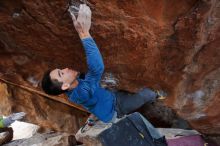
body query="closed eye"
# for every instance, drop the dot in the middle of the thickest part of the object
(59, 73)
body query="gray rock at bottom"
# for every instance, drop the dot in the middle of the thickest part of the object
(46, 139)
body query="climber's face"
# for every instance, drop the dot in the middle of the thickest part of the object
(66, 76)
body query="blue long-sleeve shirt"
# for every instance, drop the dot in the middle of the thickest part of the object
(89, 93)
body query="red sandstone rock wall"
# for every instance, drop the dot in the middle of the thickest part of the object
(50, 115)
(172, 45)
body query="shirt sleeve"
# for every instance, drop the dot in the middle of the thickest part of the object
(94, 59)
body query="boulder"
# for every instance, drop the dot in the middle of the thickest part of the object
(46, 139)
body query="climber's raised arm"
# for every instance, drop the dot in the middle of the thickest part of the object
(82, 25)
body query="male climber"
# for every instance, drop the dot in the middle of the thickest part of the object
(86, 90)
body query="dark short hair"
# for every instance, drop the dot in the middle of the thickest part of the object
(51, 87)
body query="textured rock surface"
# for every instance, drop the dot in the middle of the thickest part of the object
(171, 45)
(45, 112)
(46, 139)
